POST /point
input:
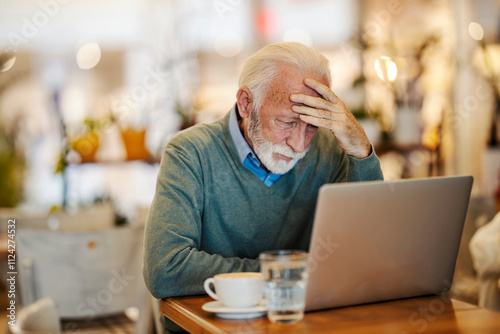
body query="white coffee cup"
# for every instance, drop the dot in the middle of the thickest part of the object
(236, 290)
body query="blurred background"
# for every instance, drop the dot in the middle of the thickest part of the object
(90, 92)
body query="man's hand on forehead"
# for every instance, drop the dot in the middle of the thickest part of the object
(330, 112)
(312, 105)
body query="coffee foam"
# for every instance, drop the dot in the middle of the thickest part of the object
(239, 275)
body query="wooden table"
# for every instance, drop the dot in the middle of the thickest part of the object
(430, 314)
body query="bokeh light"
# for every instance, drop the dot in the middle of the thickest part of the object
(297, 35)
(476, 31)
(386, 69)
(228, 44)
(88, 56)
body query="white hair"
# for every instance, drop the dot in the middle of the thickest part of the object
(260, 69)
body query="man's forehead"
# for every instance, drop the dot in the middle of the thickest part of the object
(285, 86)
(309, 91)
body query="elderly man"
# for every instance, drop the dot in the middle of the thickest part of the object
(248, 182)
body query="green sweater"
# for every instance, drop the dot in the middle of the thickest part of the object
(211, 214)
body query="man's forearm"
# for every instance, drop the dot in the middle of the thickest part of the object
(182, 272)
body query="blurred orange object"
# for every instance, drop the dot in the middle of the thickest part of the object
(135, 144)
(87, 145)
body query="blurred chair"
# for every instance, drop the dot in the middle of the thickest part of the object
(95, 217)
(95, 277)
(466, 284)
(158, 326)
(38, 318)
(485, 251)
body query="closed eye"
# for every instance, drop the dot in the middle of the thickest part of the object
(285, 124)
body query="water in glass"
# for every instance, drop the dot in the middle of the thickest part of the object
(285, 300)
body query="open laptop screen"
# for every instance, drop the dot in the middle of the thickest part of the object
(375, 241)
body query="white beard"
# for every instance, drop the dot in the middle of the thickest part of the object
(265, 149)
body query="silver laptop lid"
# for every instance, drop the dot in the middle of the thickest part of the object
(375, 241)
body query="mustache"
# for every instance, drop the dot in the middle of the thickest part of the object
(287, 151)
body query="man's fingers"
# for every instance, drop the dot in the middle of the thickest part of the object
(335, 126)
(322, 90)
(311, 101)
(311, 111)
(319, 122)
(314, 102)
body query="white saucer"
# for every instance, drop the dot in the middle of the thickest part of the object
(222, 311)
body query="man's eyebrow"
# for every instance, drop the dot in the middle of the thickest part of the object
(286, 118)
(294, 117)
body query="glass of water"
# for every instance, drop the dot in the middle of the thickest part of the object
(285, 282)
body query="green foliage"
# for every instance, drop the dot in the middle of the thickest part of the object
(11, 174)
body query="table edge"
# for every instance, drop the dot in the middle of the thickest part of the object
(195, 320)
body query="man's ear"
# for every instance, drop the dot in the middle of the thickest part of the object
(244, 100)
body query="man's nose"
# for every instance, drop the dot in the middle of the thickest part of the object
(298, 139)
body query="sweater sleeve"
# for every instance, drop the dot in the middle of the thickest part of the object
(174, 265)
(367, 169)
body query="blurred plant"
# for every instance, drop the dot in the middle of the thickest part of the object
(187, 112)
(186, 115)
(87, 140)
(361, 111)
(487, 62)
(12, 167)
(391, 77)
(84, 140)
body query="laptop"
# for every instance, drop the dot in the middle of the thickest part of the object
(377, 241)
